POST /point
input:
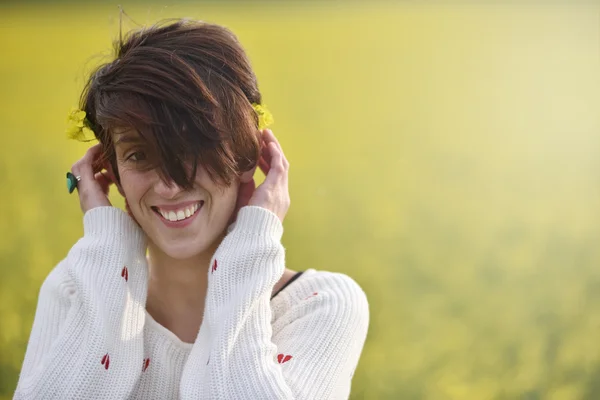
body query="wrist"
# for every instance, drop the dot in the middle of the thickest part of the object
(111, 223)
(257, 220)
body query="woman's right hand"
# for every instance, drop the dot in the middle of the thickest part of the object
(94, 184)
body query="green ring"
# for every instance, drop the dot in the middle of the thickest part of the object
(71, 182)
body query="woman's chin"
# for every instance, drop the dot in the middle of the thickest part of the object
(185, 246)
(182, 249)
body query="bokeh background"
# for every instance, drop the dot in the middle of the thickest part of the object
(444, 155)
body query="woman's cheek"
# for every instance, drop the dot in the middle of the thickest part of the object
(133, 184)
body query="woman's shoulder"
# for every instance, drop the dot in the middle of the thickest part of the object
(58, 283)
(330, 283)
(322, 292)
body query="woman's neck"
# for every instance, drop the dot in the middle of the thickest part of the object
(177, 289)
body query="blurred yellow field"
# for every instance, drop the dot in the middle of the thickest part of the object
(445, 157)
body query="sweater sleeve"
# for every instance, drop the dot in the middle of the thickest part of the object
(87, 337)
(237, 355)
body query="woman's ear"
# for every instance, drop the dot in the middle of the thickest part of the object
(247, 176)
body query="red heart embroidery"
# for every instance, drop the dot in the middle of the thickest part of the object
(282, 358)
(214, 267)
(145, 364)
(125, 274)
(314, 294)
(106, 361)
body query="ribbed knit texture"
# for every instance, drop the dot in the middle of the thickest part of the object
(93, 339)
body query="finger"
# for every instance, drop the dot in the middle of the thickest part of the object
(264, 166)
(265, 158)
(265, 153)
(103, 180)
(92, 156)
(85, 170)
(276, 171)
(110, 173)
(269, 136)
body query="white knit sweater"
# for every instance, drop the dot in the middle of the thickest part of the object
(93, 339)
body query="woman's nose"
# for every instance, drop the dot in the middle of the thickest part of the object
(167, 189)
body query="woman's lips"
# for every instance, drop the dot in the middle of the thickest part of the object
(180, 215)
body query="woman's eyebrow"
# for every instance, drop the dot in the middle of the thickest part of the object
(122, 139)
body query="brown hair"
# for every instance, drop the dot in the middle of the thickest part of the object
(187, 88)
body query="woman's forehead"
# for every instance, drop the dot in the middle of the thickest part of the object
(126, 136)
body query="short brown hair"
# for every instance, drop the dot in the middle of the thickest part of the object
(187, 87)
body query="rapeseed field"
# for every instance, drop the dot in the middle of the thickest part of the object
(447, 157)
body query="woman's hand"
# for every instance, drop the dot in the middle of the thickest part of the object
(273, 193)
(94, 184)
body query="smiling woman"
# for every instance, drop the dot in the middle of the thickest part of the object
(186, 296)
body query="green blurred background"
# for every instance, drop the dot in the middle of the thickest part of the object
(447, 157)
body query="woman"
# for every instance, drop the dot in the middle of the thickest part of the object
(186, 296)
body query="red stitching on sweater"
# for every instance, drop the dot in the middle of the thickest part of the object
(312, 295)
(125, 274)
(106, 361)
(145, 364)
(214, 267)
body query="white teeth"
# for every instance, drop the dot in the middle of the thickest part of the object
(178, 215)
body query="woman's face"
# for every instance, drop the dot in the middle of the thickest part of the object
(181, 223)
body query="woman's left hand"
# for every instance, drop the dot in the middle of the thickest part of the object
(273, 193)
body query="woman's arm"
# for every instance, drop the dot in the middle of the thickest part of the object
(87, 336)
(236, 355)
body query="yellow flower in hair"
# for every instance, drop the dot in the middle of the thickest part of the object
(79, 127)
(265, 118)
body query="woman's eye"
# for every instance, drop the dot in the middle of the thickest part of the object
(137, 156)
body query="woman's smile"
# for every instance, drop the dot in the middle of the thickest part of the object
(178, 215)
